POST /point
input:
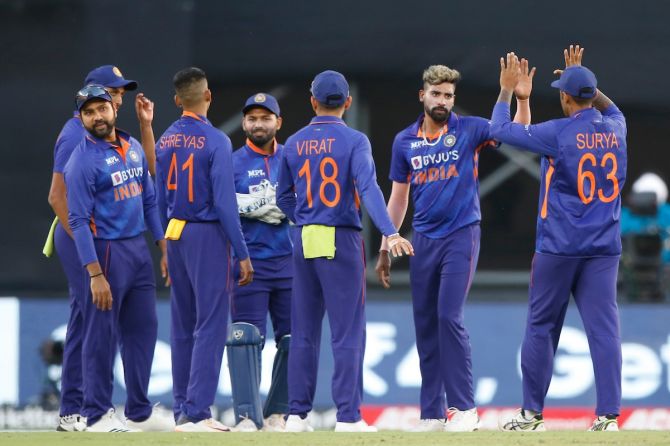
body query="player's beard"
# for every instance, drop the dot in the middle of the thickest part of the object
(102, 128)
(260, 138)
(439, 114)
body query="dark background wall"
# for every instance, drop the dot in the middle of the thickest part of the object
(47, 47)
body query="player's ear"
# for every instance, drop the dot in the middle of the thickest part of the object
(208, 95)
(279, 122)
(314, 102)
(177, 101)
(348, 102)
(421, 95)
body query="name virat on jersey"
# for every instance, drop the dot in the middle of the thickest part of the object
(314, 146)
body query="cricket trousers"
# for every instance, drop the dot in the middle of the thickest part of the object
(335, 286)
(71, 376)
(441, 273)
(592, 282)
(269, 292)
(200, 269)
(131, 323)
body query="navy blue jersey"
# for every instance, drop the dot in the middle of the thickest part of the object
(70, 136)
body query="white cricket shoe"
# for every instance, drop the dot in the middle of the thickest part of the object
(208, 425)
(274, 423)
(296, 424)
(602, 423)
(160, 420)
(246, 425)
(358, 426)
(462, 420)
(109, 423)
(71, 423)
(429, 425)
(519, 422)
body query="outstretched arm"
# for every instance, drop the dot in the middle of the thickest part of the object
(522, 92)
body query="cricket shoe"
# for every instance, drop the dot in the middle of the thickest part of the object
(429, 425)
(160, 420)
(246, 425)
(109, 423)
(296, 424)
(462, 420)
(519, 422)
(605, 423)
(274, 423)
(207, 425)
(358, 426)
(71, 423)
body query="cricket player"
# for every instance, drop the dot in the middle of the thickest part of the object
(578, 241)
(266, 232)
(437, 158)
(196, 194)
(71, 135)
(326, 170)
(111, 201)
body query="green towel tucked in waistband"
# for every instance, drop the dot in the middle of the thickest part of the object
(48, 249)
(318, 241)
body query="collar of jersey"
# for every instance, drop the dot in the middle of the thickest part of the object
(451, 124)
(194, 116)
(578, 113)
(254, 148)
(326, 120)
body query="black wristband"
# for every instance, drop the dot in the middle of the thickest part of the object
(96, 275)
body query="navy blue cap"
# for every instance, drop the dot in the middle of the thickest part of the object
(264, 100)
(109, 76)
(330, 88)
(577, 81)
(89, 92)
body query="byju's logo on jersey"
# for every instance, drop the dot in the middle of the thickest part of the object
(417, 162)
(117, 178)
(256, 173)
(112, 160)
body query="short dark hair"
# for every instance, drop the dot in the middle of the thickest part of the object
(582, 102)
(186, 82)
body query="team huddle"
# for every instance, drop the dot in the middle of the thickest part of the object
(276, 229)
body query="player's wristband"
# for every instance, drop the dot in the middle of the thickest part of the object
(96, 275)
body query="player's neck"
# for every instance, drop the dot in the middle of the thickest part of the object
(198, 110)
(431, 127)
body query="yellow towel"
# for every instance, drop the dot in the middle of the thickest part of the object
(48, 249)
(173, 231)
(318, 241)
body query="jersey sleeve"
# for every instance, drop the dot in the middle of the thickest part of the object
(225, 202)
(616, 117)
(67, 140)
(538, 138)
(365, 176)
(400, 169)
(151, 215)
(286, 200)
(483, 135)
(80, 175)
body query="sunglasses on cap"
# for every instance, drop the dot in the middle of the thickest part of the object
(89, 92)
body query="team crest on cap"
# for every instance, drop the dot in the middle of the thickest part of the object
(116, 71)
(133, 156)
(260, 97)
(449, 140)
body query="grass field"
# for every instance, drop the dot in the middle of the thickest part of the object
(388, 438)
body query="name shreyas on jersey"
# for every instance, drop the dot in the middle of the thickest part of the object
(182, 141)
(112, 160)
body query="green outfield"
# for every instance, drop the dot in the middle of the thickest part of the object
(388, 438)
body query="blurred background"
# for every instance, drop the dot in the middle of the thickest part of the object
(48, 47)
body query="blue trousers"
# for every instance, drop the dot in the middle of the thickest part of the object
(270, 291)
(71, 395)
(131, 323)
(200, 268)
(335, 286)
(441, 273)
(592, 282)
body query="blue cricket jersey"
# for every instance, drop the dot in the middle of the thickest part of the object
(326, 167)
(72, 133)
(442, 173)
(583, 171)
(194, 174)
(251, 166)
(110, 193)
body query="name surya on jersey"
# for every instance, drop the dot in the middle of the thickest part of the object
(596, 141)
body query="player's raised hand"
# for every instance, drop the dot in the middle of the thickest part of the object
(383, 268)
(509, 72)
(399, 245)
(525, 84)
(102, 293)
(144, 108)
(573, 57)
(246, 272)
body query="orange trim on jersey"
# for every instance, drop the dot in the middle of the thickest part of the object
(109, 245)
(125, 145)
(91, 139)
(192, 115)
(260, 151)
(488, 142)
(357, 198)
(94, 228)
(547, 182)
(439, 133)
